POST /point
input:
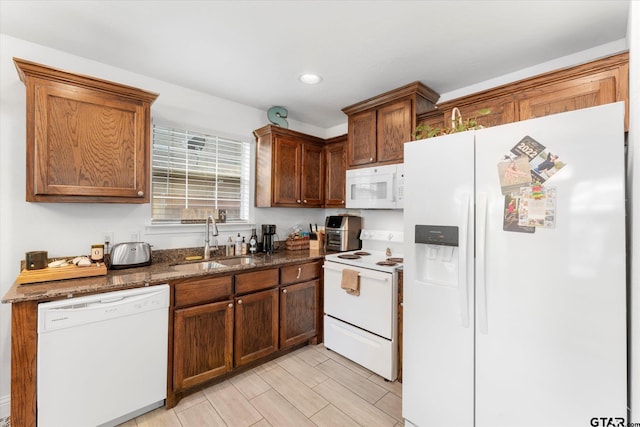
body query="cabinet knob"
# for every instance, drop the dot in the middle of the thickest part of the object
(284, 291)
(342, 202)
(304, 201)
(298, 201)
(371, 159)
(140, 193)
(239, 301)
(230, 304)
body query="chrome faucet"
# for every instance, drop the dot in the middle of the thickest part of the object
(207, 233)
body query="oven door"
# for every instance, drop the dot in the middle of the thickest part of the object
(371, 188)
(374, 310)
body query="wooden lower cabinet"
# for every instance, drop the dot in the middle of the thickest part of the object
(202, 343)
(256, 326)
(298, 312)
(227, 324)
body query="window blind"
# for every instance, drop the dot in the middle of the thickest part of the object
(195, 175)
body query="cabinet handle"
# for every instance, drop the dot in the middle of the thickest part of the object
(140, 193)
(239, 301)
(284, 291)
(230, 304)
(299, 271)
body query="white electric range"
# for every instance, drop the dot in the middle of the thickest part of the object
(364, 327)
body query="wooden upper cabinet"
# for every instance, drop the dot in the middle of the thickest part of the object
(362, 138)
(378, 127)
(286, 171)
(336, 170)
(312, 182)
(289, 168)
(395, 125)
(568, 96)
(88, 140)
(587, 85)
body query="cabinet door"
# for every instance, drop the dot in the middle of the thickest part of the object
(86, 143)
(394, 125)
(286, 172)
(362, 138)
(256, 326)
(312, 176)
(336, 171)
(568, 96)
(299, 312)
(202, 343)
(501, 111)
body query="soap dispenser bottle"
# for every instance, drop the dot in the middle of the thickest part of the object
(238, 244)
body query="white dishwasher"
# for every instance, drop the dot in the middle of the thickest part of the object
(102, 359)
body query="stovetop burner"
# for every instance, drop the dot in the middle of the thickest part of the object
(362, 253)
(387, 263)
(349, 256)
(394, 259)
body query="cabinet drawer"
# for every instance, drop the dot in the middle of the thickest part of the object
(299, 273)
(254, 281)
(202, 290)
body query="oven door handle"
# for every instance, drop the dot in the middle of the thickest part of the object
(328, 265)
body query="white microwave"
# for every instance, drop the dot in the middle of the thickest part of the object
(377, 187)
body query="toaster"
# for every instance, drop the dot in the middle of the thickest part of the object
(130, 254)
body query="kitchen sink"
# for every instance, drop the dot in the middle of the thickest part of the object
(241, 260)
(208, 265)
(198, 266)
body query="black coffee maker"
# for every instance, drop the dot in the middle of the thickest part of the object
(268, 237)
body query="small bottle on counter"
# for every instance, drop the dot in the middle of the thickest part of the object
(230, 247)
(238, 245)
(244, 246)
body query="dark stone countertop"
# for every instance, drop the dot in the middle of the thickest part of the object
(162, 270)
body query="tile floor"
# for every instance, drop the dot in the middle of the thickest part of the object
(312, 386)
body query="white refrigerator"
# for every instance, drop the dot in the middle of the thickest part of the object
(514, 307)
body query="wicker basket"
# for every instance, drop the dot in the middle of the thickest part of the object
(297, 244)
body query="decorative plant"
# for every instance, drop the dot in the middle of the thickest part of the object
(457, 125)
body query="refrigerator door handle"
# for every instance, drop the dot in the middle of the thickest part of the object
(481, 286)
(462, 263)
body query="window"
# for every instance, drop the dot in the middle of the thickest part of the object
(194, 175)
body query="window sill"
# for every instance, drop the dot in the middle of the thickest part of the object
(182, 229)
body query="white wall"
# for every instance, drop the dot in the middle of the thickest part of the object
(68, 229)
(634, 196)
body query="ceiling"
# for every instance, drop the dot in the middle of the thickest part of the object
(252, 52)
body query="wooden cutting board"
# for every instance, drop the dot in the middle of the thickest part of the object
(60, 273)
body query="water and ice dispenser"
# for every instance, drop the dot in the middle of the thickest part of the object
(437, 254)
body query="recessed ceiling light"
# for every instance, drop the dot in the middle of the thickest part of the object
(310, 79)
